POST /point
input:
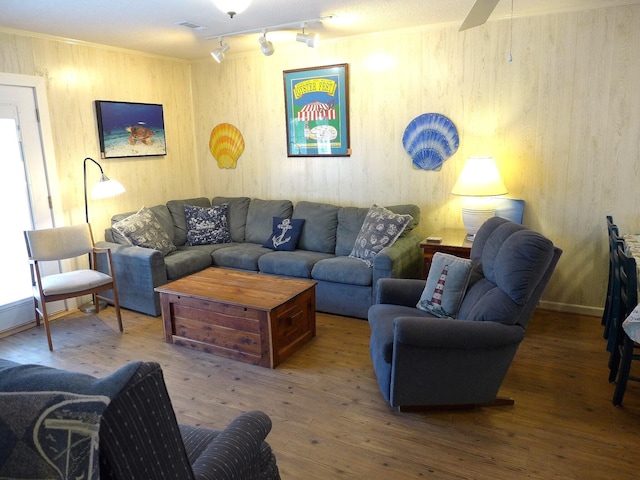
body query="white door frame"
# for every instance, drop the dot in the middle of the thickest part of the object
(37, 84)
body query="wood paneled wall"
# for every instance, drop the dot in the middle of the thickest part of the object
(562, 120)
(75, 76)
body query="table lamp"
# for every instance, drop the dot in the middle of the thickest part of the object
(478, 183)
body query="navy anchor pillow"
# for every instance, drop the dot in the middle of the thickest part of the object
(285, 233)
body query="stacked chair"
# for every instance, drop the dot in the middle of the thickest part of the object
(622, 298)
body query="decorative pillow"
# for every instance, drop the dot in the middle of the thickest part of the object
(381, 228)
(446, 284)
(143, 230)
(285, 234)
(207, 225)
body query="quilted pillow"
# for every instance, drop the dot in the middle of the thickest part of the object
(142, 229)
(381, 228)
(286, 233)
(207, 225)
(446, 285)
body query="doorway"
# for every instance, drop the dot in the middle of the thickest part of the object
(24, 193)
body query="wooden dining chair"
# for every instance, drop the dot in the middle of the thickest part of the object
(625, 346)
(612, 237)
(55, 244)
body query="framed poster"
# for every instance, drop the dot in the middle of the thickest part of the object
(128, 129)
(317, 111)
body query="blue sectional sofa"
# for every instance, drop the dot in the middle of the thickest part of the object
(345, 285)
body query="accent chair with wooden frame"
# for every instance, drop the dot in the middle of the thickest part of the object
(61, 243)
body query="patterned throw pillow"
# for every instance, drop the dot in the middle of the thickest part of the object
(142, 229)
(381, 228)
(207, 225)
(286, 233)
(446, 285)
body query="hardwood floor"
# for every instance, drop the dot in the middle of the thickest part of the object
(330, 420)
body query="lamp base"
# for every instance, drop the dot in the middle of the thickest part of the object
(476, 211)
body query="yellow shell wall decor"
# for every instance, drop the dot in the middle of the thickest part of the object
(226, 145)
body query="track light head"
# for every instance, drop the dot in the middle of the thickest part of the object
(311, 39)
(218, 53)
(265, 45)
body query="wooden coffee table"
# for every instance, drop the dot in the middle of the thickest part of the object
(259, 319)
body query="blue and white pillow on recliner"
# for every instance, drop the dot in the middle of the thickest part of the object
(446, 285)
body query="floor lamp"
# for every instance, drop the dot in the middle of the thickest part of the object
(104, 188)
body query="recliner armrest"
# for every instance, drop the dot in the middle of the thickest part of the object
(399, 291)
(236, 452)
(446, 333)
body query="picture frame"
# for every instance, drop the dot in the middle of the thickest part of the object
(317, 111)
(128, 129)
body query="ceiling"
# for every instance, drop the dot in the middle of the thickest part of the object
(153, 26)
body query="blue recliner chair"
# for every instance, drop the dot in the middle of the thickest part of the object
(423, 361)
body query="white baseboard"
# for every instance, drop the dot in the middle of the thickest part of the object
(568, 308)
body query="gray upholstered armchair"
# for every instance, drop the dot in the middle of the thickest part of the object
(59, 424)
(422, 360)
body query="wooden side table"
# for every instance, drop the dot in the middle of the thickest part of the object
(454, 242)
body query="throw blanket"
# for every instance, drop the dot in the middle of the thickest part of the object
(50, 421)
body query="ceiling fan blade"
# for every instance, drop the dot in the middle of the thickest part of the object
(479, 13)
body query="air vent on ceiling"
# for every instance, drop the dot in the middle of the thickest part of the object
(191, 25)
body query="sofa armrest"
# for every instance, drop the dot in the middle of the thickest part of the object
(138, 271)
(403, 259)
(399, 291)
(237, 452)
(443, 333)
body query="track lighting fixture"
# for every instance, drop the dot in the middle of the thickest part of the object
(265, 45)
(218, 53)
(311, 39)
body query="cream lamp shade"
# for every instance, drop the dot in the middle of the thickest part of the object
(478, 183)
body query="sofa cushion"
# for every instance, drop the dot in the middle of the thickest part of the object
(236, 215)
(143, 229)
(176, 208)
(446, 285)
(290, 264)
(285, 234)
(243, 256)
(185, 262)
(350, 220)
(321, 223)
(207, 225)
(380, 229)
(260, 216)
(348, 270)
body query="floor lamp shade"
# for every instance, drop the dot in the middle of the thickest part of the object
(104, 188)
(478, 183)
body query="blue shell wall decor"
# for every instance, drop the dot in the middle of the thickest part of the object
(430, 139)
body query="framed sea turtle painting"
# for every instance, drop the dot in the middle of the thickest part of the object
(127, 129)
(317, 111)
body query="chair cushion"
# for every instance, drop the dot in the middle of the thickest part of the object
(143, 229)
(73, 281)
(446, 284)
(207, 225)
(381, 228)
